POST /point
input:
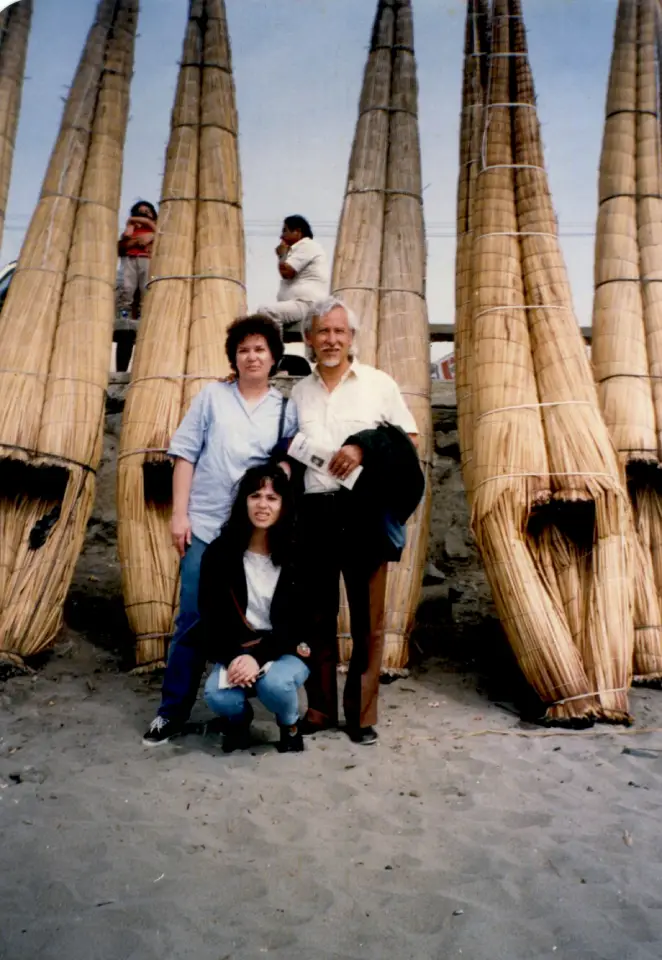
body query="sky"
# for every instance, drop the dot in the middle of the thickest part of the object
(298, 67)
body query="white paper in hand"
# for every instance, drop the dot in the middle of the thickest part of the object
(318, 459)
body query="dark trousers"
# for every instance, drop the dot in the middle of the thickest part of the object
(330, 545)
(125, 340)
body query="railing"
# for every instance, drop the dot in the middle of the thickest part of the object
(439, 333)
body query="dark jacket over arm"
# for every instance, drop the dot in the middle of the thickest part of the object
(389, 488)
(222, 602)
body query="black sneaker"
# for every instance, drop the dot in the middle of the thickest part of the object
(161, 731)
(362, 735)
(291, 740)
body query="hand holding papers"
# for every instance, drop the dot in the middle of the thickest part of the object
(318, 459)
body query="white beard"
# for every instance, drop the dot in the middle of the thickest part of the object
(330, 361)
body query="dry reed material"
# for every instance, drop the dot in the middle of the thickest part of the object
(627, 327)
(358, 253)
(645, 491)
(48, 460)
(403, 342)
(583, 463)
(196, 290)
(14, 33)
(30, 313)
(220, 248)
(627, 319)
(550, 513)
(379, 269)
(510, 468)
(473, 96)
(619, 355)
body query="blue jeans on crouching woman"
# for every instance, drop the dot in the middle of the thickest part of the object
(277, 690)
(186, 657)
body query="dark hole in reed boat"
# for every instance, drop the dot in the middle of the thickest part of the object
(643, 476)
(157, 482)
(574, 520)
(45, 484)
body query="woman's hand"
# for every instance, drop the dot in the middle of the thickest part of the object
(243, 670)
(180, 528)
(347, 459)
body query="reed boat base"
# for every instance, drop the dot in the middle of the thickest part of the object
(12, 665)
(145, 668)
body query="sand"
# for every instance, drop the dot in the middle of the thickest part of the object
(442, 841)
(464, 833)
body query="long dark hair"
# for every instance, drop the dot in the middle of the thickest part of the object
(144, 203)
(238, 529)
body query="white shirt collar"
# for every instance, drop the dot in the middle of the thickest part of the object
(353, 370)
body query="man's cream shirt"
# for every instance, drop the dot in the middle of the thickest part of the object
(364, 398)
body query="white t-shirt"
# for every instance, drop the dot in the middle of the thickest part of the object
(261, 579)
(311, 280)
(364, 398)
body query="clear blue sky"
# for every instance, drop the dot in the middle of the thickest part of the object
(298, 69)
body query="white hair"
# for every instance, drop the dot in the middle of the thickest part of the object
(321, 309)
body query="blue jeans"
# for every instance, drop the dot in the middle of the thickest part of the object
(186, 655)
(277, 690)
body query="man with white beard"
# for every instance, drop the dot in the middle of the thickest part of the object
(341, 398)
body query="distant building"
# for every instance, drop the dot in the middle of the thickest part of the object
(443, 369)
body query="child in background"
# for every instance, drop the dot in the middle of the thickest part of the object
(135, 249)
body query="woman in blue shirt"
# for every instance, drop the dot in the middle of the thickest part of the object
(228, 428)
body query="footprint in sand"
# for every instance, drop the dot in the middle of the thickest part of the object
(299, 899)
(520, 820)
(419, 913)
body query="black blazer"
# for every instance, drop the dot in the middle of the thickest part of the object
(223, 598)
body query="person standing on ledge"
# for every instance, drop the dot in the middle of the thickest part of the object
(304, 272)
(134, 248)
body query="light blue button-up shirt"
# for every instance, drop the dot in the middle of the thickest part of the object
(223, 436)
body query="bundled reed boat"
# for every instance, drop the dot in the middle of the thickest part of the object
(56, 332)
(627, 306)
(14, 34)
(549, 508)
(195, 291)
(379, 270)
(474, 83)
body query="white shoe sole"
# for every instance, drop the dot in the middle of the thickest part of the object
(155, 743)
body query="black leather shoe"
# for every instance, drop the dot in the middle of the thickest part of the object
(291, 740)
(308, 729)
(362, 735)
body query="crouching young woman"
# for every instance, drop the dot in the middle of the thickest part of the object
(250, 612)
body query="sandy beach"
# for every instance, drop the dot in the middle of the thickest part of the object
(464, 833)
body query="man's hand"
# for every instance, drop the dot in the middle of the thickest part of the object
(348, 458)
(243, 670)
(180, 528)
(286, 468)
(286, 271)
